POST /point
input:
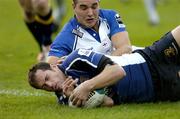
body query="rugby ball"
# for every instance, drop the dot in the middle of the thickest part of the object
(95, 99)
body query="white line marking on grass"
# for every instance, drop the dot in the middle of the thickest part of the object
(22, 93)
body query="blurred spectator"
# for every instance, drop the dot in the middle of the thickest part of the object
(150, 6)
(152, 12)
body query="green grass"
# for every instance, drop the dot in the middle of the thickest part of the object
(18, 52)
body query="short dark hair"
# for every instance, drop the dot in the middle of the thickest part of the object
(31, 74)
(75, 1)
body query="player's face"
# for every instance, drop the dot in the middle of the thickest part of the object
(49, 80)
(87, 12)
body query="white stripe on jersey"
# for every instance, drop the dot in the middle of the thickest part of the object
(89, 42)
(128, 59)
(80, 59)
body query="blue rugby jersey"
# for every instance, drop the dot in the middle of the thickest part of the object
(81, 63)
(74, 36)
(136, 86)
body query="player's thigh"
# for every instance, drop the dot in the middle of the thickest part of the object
(176, 34)
(26, 5)
(166, 49)
(40, 4)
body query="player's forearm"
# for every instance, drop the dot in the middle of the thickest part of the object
(121, 43)
(124, 50)
(53, 60)
(107, 77)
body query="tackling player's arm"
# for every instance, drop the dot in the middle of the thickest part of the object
(121, 43)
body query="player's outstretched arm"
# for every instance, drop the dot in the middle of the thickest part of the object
(121, 43)
(110, 75)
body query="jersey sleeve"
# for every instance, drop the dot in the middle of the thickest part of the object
(103, 62)
(81, 62)
(63, 43)
(114, 20)
(61, 98)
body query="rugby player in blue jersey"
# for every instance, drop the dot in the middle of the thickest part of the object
(91, 28)
(147, 75)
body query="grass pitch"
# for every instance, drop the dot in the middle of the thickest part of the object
(18, 52)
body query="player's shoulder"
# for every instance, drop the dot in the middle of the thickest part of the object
(70, 25)
(104, 13)
(110, 15)
(69, 30)
(86, 54)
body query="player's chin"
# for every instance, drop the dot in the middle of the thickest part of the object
(90, 24)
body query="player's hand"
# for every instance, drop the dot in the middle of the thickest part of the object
(60, 61)
(79, 95)
(69, 85)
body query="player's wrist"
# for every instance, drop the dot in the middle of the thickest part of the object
(88, 85)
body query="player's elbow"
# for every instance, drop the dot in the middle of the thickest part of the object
(122, 73)
(119, 72)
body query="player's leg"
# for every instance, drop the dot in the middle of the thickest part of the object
(176, 91)
(27, 8)
(176, 34)
(41, 7)
(60, 10)
(165, 55)
(29, 19)
(167, 49)
(46, 25)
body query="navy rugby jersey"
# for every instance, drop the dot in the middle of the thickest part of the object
(136, 86)
(74, 36)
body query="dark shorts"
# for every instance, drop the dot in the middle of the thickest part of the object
(163, 58)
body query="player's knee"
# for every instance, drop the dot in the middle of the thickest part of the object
(29, 16)
(178, 35)
(40, 5)
(178, 28)
(27, 6)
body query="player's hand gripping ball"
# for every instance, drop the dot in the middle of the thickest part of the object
(95, 99)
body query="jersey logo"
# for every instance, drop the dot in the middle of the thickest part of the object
(119, 21)
(77, 32)
(84, 52)
(170, 52)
